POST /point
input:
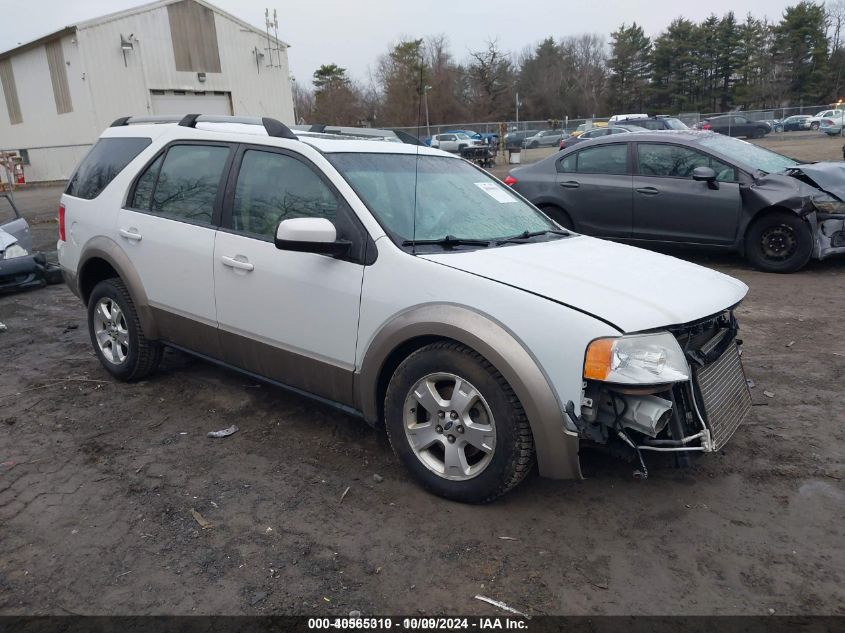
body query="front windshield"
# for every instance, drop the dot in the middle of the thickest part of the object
(749, 154)
(453, 198)
(462, 136)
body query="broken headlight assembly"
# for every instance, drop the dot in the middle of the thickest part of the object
(828, 204)
(639, 359)
(15, 250)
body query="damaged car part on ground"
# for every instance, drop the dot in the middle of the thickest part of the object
(697, 189)
(395, 282)
(21, 269)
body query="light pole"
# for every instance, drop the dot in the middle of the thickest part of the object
(427, 123)
(517, 109)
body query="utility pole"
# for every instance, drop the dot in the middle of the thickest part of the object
(517, 109)
(427, 123)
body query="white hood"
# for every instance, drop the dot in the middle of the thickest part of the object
(6, 240)
(632, 288)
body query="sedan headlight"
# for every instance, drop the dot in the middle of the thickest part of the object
(15, 250)
(828, 204)
(640, 359)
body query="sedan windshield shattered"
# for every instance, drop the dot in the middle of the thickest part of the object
(429, 198)
(749, 154)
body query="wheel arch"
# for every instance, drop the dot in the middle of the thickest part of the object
(557, 448)
(103, 259)
(545, 204)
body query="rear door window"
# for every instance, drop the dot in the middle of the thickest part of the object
(103, 163)
(182, 184)
(604, 159)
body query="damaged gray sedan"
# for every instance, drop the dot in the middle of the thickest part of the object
(694, 188)
(20, 268)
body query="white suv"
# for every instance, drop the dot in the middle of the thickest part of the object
(454, 142)
(401, 284)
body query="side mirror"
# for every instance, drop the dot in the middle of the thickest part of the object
(705, 174)
(310, 235)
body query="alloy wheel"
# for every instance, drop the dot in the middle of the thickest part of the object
(111, 331)
(449, 426)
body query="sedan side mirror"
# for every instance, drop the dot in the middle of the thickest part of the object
(310, 235)
(705, 174)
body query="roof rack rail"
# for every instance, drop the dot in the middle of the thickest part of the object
(272, 126)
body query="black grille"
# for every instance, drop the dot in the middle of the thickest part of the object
(724, 395)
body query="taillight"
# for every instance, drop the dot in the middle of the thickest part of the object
(62, 222)
(510, 181)
(827, 122)
(563, 145)
(705, 126)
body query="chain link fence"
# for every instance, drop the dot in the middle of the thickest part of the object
(567, 125)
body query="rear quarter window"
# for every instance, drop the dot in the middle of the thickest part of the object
(103, 163)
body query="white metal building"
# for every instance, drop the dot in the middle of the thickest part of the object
(169, 57)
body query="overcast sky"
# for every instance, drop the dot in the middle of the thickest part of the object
(353, 33)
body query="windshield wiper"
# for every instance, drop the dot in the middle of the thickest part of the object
(448, 241)
(527, 235)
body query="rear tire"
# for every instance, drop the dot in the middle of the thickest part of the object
(456, 425)
(116, 333)
(779, 242)
(558, 215)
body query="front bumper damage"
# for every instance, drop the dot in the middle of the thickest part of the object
(801, 194)
(696, 416)
(829, 230)
(29, 271)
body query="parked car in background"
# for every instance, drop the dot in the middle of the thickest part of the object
(483, 337)
(793, 123)
(657, 123)
(514, 139)
(545, 138)
(584, 127)
(619, 118)
(454, 142)
(598, 132)
(831, 127)
(736, 125)
(835, 113)
(696, 188)
(469, 133)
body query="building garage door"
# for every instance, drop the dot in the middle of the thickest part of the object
(182, 102)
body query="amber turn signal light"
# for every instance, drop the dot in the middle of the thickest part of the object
(597, 363)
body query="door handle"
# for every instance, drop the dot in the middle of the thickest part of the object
(231, 262)
(130, 234)
(570, 184)
(648, 191)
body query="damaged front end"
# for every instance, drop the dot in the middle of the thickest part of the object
(822, 205)
(683, 390)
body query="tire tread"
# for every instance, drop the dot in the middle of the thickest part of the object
(524, 458)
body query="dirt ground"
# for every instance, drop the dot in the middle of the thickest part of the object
(99, 481)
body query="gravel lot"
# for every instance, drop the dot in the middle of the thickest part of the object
(98, 481)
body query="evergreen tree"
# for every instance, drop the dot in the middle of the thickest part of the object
(630, 67)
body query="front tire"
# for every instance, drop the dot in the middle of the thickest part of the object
(456, 425)
(779, 242)
(814, 126)
(116, 333)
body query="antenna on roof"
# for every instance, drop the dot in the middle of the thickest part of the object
(272, 44)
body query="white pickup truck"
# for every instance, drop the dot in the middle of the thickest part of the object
(835, 115)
